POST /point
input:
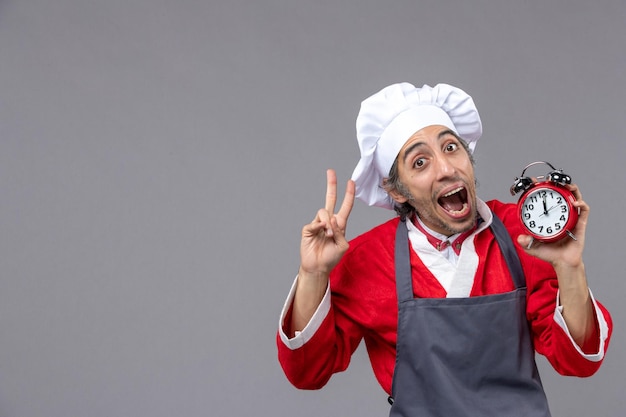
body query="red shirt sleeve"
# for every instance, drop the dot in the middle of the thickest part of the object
(328, 351)
(549, 338)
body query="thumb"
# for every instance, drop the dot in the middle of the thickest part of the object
(525, 241)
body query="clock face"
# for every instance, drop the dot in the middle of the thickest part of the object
(547, 212)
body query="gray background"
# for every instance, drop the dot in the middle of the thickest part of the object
(159, 158)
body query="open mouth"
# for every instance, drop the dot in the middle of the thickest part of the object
(454, 202)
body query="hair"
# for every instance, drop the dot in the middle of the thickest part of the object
(393, 184)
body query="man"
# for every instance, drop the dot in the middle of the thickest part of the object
(450, 308)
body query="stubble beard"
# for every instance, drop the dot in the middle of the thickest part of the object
(428, 215)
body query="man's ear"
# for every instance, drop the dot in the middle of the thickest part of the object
(397, 196)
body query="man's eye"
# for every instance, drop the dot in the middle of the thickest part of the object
(451, 147)
(419, 163)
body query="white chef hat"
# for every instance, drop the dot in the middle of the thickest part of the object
(390, 117)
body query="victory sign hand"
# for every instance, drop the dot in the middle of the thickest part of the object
(324, 239)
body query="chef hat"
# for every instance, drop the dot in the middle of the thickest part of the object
(390, 117)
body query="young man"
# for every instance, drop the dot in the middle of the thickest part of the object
(450, 308)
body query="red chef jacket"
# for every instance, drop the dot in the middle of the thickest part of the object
(364, 306)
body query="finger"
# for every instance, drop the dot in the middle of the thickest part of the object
(577, 194)
(331, 191)
(582, 207)
(580, 204)
(525, 241)
(339, 234)
(315, 227)
(348, 203)
(579, 229)
(324, 217)
(575, 190)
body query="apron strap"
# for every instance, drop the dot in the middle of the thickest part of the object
(508, 251)
(404, 282)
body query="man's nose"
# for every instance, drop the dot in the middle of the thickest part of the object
(445, 168)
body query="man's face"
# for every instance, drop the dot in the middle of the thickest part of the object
(438, 177)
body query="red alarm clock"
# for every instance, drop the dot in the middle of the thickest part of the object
(546, 207)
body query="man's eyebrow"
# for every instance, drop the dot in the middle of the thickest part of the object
(416, 145)
(411, 149)
(447, 132)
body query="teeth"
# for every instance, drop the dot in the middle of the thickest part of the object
(453, 192)
(459, 211)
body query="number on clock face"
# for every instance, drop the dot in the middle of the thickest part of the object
(545, 212)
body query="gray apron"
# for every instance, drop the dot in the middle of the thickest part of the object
(459, 357)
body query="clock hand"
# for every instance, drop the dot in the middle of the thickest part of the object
(546, 212)
(545, 206)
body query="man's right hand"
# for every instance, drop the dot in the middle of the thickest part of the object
(324, 239)
(322, 246)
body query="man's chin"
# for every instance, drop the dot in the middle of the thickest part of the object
(460, 225)
(442, 221)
